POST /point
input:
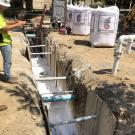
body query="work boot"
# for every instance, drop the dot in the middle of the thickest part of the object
(3, 108)
(11, 80)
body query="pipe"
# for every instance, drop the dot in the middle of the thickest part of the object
(43, 53)
(129, 47)
(58, 92)
(118, 50)
(117, 55)
(50, 78)
(73, 121)
(55, 98)
(31, 35)
(34, 46)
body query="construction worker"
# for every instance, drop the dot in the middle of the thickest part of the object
(5, 41)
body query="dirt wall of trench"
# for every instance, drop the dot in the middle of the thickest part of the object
(87, 102)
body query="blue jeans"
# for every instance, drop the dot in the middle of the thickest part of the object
(7, 60)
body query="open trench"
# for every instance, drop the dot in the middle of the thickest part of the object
(44, 66)
(57, 111)
(68, 111)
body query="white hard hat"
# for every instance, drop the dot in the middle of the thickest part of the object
(5, 3)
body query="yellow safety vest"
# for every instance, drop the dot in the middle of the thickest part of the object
(5, 38)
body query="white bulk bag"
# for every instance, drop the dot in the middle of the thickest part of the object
(105, 26)
(81, 21)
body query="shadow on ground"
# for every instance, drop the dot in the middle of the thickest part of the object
(82, 42)
(26, 94)
(120, 98)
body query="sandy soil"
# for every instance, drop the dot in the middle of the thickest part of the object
(100, 59)
(23, 116)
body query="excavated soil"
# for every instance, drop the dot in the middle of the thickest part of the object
(23, 116)
(89, 69)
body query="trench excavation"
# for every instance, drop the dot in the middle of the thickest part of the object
(51, 84)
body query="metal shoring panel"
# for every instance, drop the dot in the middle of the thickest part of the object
(47, 43)
(48, 51)
(51, 68)
(27, 41)
(55, 62)
(43, 48)
(53, 59)
(49, 58)
(50, 61)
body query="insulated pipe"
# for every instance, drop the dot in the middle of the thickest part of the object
(118, 50)
(55, 97)
(73, 121)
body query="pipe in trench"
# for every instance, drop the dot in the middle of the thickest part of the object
(54, 98)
